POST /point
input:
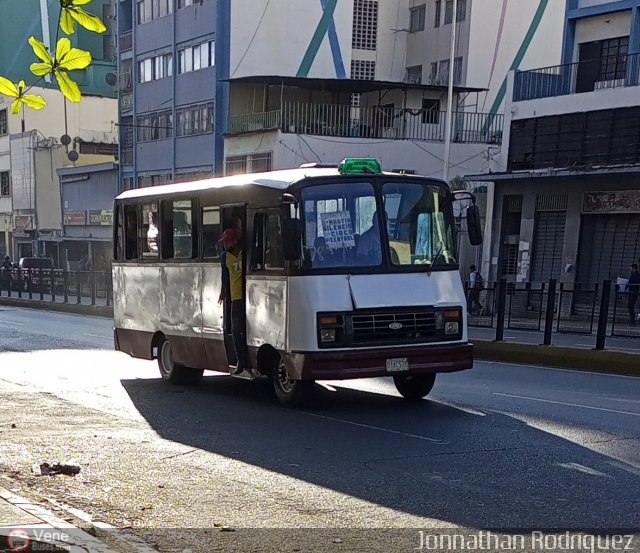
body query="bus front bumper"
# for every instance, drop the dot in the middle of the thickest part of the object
(371, 363)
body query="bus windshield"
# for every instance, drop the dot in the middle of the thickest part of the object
(342, 225)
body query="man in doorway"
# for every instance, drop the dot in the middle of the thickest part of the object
(233, 258)
(633, 290)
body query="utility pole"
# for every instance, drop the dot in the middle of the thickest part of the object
(449, 117)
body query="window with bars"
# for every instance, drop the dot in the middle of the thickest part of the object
(250, 163)
(195, 119)
(433, 73)
(461, 12)
(3, 122)
(194, 58)
(5, 184)
(365, 24)
(414, 74)
(430, 111)
(147, 10)
(154, 126)
(417, 15)
(613, 64)
(363, 70)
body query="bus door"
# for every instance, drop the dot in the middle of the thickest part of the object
(234, 216)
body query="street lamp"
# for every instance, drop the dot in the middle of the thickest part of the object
(449, 117)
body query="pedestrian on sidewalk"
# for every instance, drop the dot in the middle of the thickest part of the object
(6, 273)
(633, 290)
(476, 285)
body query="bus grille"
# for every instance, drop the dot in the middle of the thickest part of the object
(397, 328)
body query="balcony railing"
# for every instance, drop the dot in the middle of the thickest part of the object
(372, 122)
(575, 78)
(126, 41)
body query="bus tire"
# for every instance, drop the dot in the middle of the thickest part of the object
(414, 386)
(174, 372)
(290, 393)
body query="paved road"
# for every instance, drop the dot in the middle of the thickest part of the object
(497, 447)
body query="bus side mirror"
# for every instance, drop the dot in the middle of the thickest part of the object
(291, 238)
(474, 225)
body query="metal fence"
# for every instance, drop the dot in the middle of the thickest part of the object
(571, 78)
(603, 310)
(73, 287)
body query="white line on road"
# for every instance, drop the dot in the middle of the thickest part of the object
(379, 428)
(530, 366)
(568, 404)
(12, 323)
(95, 335)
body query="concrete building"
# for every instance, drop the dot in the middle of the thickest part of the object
(215, 86)
(30, 143)
(567, 205)
(87, 202)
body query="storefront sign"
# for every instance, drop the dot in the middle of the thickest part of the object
(621, 201)
(102, 217)
(75, 218)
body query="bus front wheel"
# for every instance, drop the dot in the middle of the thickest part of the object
(414, 386)
(174, 372)
(290, 392)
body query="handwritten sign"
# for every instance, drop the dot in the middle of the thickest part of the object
(621, 201)
(337, 229)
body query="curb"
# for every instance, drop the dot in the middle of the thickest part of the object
(94, 310)
(606, 361)
(59, 532)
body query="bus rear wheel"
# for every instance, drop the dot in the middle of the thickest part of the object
(414, 386)
(174, 372)
(290, 393)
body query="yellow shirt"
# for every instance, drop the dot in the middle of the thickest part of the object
(234, 265)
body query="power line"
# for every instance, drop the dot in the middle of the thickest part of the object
(252, 38)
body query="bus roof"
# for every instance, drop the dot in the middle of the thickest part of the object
(278, 180)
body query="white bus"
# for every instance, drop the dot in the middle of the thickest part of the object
(348, 272)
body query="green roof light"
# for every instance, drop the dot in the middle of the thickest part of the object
(362, 165)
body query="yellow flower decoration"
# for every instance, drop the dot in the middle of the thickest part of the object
(32, 101)
(72, 12)
(65, 59)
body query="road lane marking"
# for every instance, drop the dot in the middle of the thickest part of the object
(97, 335)
(12, 323)
(530, 366)
(568, 404)
(379, 428)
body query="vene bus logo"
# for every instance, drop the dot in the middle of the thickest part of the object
(18, 540)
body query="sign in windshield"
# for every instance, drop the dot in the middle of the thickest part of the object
(342, 225)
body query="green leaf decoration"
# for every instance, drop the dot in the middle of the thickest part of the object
(74, 59)
(40, 50)
(72, 12)
(68, 87)
(40, 69)
(32, 101)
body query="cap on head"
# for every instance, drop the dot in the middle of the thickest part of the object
(230, 235)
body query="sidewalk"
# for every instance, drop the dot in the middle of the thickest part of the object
(26, 527)
(570, 351)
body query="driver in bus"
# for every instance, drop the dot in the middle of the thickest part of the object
(369, 243)
(233, 258)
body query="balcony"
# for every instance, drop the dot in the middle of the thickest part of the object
(575, 78)
(126, 41)
(378, 122)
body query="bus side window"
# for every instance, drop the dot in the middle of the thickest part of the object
(177, 230)
(267, 242)
(131, 232)
(118, 239)
(210, 232)
(150, 231)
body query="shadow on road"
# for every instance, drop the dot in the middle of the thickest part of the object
(428, 459)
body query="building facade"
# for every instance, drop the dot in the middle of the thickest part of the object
(567, 205)
(214, 86)
(31, 147)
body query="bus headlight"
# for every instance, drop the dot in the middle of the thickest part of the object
(451, 328)
(327, 335)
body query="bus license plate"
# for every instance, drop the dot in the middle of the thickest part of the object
(397, 365)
